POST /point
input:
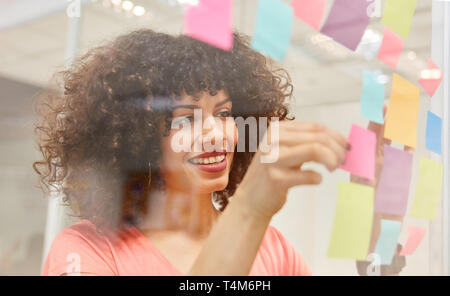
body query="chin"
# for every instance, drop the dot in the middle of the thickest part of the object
(210, 185)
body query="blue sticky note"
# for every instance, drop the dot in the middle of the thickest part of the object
(434, 133)
(387, 241)
(273, 28)
(372, 98)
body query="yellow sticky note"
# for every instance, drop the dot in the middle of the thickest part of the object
(428, 191)
(398, 14)
(352, 228)
(402, 114)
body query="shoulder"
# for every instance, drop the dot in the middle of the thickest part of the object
(284, 254)
(80, 248)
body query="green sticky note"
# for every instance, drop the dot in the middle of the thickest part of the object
(428, 191)
(352, 227)
(398, 14)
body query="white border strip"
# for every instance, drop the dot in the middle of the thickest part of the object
(446, 140)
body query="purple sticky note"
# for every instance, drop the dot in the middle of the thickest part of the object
(360, 160)
(210, 21)
(392, 192)
(347, 22)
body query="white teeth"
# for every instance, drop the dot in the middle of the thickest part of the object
(208, 160)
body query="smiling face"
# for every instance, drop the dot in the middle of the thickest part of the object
(204, 164)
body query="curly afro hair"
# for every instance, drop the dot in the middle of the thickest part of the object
(99, 131)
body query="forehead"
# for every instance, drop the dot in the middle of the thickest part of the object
(202, 97)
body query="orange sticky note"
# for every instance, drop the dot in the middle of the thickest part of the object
(391, 48)
(431, 78)
(309, 12)
(403, 111)
(210, 21)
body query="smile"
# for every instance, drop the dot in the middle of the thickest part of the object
(210, 162)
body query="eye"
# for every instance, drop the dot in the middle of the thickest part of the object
(224, 113)
(177, 121)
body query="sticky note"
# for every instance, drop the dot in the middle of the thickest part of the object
(210, 21)
(392, 192)
(387, 241)
(415, 237)
(360, 160)
(391, 48)
(347, 22)
(428, 191)
(372, 98)
(309, 12)
(433, 138)
(402, 114)
(432, 79)
(352, 226)
(398, 14)
(273, 28)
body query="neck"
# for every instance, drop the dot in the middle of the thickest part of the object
(189, 212)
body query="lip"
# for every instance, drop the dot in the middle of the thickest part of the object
(214, 167)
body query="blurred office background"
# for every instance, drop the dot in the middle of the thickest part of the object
(37, 38)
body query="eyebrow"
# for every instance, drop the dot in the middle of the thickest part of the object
(196, 106)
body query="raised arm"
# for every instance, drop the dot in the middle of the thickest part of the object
(234, 241)
(397, 263)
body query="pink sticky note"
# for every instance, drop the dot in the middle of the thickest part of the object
(210, 21)
(432, 80)
(360, 160)
(391, 48)
(415, 236)
(309, 12)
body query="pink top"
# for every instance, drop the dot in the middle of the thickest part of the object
(79, 248)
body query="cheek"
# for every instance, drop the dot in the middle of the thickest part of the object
(231, 133)
(170, 160)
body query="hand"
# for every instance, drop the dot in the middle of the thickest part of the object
(379, 160)
(265, 185)
(381, 141)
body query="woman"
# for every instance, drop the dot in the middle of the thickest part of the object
(108, 148)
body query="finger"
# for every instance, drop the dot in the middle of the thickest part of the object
(317, 127)
(340, 138)
(408, 149)
(385, 140)
(377, 127)
(293, 138)
(316, 152)
(299, 177)
(361, 180)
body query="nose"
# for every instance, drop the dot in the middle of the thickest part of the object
(212, 134)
